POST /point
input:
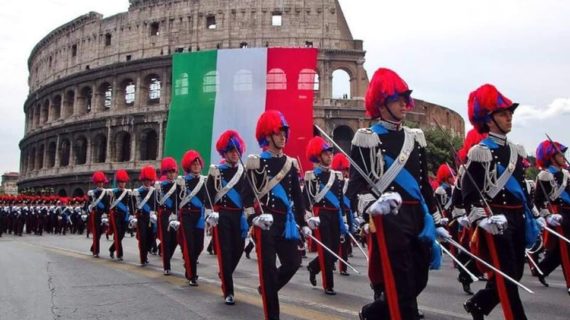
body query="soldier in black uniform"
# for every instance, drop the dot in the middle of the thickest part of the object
(121, 208)
(191, 216)
(275, 178)
(552, 197)
(508, 226)
(323, 190)
(225, 182)
(168, 197)
(146, 206)
(98, 206)
(394, 157)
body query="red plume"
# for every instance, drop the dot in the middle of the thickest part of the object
(168, 164)
(99, 177)
(340, 162)
(122, 176)
(189, 157)
(148, 173)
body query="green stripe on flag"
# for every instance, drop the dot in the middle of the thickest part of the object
(191, 113)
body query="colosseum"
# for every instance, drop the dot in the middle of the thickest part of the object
(100, 87)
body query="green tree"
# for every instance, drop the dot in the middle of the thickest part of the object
(439, 149)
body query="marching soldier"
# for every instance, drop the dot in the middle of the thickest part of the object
(323, 190)
(507, 226)
(121, 208)
(341, 164)
(552, 197)
(98, 206)
(146, 206)
(191, 215)
(168, 200)
(274, 180)
(225, 182)
(394, 157)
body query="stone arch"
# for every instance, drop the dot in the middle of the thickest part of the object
(342, 135)
(40, 156)
(85, 100)
(62, 193)
(127, 92)
(37, 113)
(122, 147)
(105, 92)
(51, 151)
(148, 145)
(44, 113)
(152, 88)
(99, 148)
(32, 159)
(80, 150)
(56, 107)
(78, 192)
(64, 152)
(68, 103)
(341, 84)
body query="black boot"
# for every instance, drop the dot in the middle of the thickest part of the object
(312, 276)
(543, 281)
(467, 288)
(474, 310)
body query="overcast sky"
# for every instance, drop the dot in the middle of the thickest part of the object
(444, 49)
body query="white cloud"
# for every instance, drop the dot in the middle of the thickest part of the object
(526, 114)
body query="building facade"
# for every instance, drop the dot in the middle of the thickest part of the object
(100, 87)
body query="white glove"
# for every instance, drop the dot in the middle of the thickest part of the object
(172, 217)
(554, 220)
(153, 217)
(544, 212)
(444, 221)
(213, 218)
(314, 222)
(133, 223)
(366, 228)
(494, 224)
(388, 203)
(541, 222)
(173, 225)
(307, 231)
(263, 221)
(464, 221)
(442, 233)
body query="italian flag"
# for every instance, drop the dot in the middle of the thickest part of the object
(214, 91)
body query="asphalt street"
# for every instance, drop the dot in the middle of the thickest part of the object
(55, 277)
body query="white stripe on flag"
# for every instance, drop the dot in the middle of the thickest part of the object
(241, 96)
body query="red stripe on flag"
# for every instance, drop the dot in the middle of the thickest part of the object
(293, 96)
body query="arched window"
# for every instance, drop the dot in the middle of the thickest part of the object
(80, 150)
(45, 112)
(51, 154)
(87, 97)
(78, 192)
(154, 87)
(308, 80)
(148, 145)
(243, 80)
(130, 90)
(106, 91)
(181, 85)
(40, 157)
(56, 107)
(64, 151)
(32, 159)
(62, 193)
(37, 115)
(211, 82)
(343, 135)
(99, 148)
(123, 146)
(341, 84)
(68, 103)
(276, 79)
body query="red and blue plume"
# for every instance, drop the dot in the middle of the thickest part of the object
(546, 150)
(340, 162)
(444, 172)
(168, 164)
(148, 173)
(189, 157)
(99, 177)
(270, 122)
(473, 137)
(315, 147)
(228, 141)
(483, 102)
(122, 176)
(385, 86)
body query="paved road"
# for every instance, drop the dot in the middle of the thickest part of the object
(54, 277)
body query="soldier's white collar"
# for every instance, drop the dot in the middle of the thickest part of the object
(390, 125)
(499, 139)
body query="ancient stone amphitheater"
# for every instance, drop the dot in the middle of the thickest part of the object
(100, 87)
